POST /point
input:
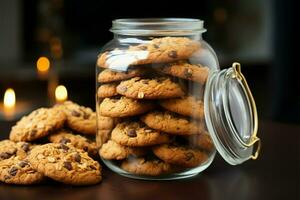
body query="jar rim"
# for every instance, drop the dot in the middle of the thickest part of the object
(157, 26)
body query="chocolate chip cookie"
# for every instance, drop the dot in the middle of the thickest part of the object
(182, 69)
(158, 88)
(180, 155)
(78, 141)
(144, 166)
(114, 151)
(108, 75)
(79, 118)
(7, 149)
(187, 106)
(107, 90)
(136, 134)
(66, 164)
(37, 124)
(159, 50)
(124, 107)
(171, 123)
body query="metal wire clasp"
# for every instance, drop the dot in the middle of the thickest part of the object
(254, 139)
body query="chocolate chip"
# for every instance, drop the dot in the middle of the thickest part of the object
(13, 171)
(5, 155)
(188, 73)
(172, 54)
(86, 115)
(33, 133)
(65, 141)
(75, 113)
(85, 148)
(64, 147)
(189, 156)
(25, 147)
(123, 88)
(68, 165)
(131, 133)
(77, 157)
(23, 163)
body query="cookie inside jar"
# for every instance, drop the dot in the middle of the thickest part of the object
(150, 91)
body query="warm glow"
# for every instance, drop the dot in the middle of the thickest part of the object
(9, 100)
(61, 93)
(43, 64)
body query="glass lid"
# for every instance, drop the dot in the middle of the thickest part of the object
(231, 115)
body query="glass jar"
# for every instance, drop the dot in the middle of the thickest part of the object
(163, 105)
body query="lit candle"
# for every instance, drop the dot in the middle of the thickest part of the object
(61, 94)
(43, 67)
(9, 103)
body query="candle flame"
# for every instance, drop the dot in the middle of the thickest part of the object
(9, 100)
(61, 93)
(43, 64)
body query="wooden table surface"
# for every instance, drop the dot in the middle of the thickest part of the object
(275, 175)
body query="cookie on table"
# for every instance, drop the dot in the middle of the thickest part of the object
(145, 166)
(180, 155)
(108, 75)
(171, 123)
(124, 106)
(65, 163)
(37, 124)
(111, 150)
(78, 141)
(107, 90)
(17, 170)
(182, 69)
(187, 106)
(79, 118)
(202, 141)
(136, 134)
(157, 88)
(159, 50)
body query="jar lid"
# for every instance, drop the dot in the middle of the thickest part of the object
(231, 115)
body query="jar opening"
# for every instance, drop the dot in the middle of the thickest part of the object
(157, 26)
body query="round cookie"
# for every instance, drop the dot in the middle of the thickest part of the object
(158, 88)
(107, 90)
(108, 75)
(180, 155)
(16, 170)
(37, 124)
(114, 151)
(136, 134)
(187, 106)
(202, 141)
(144, 166)
(181, 69)
(171, 123)
(78, 141)
(123, 107)
(79, 118)
(66, 164)
(159, 50)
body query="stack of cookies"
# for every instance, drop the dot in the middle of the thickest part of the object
(56, 143)
(150, 107)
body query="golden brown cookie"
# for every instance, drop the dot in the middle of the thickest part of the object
(107, 90)
(80, 142)
(144, 166)
(79, 118)
(182, 69)
(172, 123)
(158, 88)
(187, 106)
(17, 170)
(136, 134)
(159, 50)
(66, 164)
(180, 155)
(124, 107)
(111, 150)
(37, 124)
(7, 149)
(108, 75)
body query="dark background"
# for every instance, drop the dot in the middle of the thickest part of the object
(262, 35)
